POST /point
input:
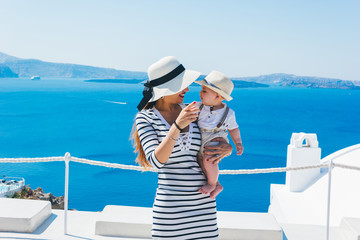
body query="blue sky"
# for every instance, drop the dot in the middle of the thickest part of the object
(239, 38)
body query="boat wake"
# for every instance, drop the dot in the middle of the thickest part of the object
(116, 102)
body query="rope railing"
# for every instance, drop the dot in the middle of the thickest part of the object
(346, 166)
(139, 168)
(31, 160)
(271, 170)
(109, 165)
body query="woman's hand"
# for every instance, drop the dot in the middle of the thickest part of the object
(187, 115)
(218, 152)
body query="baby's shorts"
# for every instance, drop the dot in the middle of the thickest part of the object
(206, 138)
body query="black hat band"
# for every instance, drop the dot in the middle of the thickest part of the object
(148, 91)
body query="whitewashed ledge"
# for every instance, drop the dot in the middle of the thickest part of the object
(121, 222)
(136, 222)
(17, 215)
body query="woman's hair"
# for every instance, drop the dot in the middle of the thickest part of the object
(141, 157)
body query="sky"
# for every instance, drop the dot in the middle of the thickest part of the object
(239, 38)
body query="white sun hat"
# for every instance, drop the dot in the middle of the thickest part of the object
(219, 83)
(166, 77)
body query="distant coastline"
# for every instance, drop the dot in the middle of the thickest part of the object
(290, 80)
(127, 81)
(237, 83)
(13, 67)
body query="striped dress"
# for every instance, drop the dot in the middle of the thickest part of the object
(179, 210)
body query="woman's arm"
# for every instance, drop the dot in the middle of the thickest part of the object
(186, 116)
(148, 140)
(223, 149)
(165, 148)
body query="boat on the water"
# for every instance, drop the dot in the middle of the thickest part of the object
(35, 78)
(10, 185)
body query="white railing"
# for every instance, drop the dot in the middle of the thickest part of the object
(67, 158)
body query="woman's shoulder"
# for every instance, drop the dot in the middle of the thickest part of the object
(146, 113)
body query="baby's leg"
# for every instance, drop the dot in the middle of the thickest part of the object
(212, 172)
(216, 191)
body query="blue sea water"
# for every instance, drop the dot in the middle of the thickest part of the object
(54, 116)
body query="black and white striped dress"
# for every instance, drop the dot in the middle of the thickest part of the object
(179, 211)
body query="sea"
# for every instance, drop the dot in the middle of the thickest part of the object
(93, 120)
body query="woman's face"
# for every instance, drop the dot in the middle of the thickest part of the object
(177, 97)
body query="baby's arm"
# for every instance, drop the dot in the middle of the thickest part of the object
(235, 136)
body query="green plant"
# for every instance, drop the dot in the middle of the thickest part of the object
(25, 192)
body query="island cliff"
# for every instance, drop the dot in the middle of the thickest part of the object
(5, 72)
(38, 194)
(290, 80)
(34, 67)
(16, 67)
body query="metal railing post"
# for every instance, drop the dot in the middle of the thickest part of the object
(66, 200)
(328, 202)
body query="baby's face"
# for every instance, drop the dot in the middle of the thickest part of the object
(208, 97)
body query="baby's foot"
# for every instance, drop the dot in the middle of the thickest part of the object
(216, 191)
(207, 188)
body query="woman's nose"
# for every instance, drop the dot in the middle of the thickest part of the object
(184, 90)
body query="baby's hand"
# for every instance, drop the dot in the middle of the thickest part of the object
(239, 148)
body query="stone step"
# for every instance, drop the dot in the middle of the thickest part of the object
(350, 228)
(248, 226)
(311, 232)
(22, 215)
(124, 221)
(136, 222)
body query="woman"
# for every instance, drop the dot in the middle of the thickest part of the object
(168, 139)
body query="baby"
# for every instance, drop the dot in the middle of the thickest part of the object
(215, 119)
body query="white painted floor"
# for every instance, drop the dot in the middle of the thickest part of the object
(81, 226)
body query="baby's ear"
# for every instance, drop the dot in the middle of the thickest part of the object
(219, 96)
